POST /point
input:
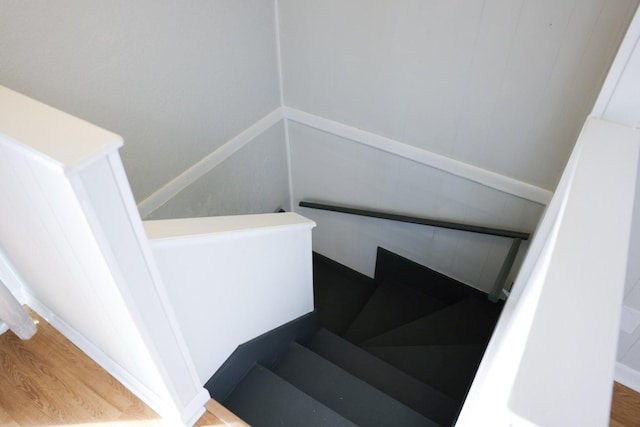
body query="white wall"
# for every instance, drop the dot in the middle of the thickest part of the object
(485, 84)
(10, 282)
(550, 361)
(326, 167)
(72, 232)
(231, 279)
(619, 101)
(629, 339)
(254, 179)
(7, 276)
(175, 80)
(504, 85)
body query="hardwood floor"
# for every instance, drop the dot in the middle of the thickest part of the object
(47, 381)
(625, 408)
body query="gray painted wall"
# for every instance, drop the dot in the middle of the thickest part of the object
(252, 180)
(328, 168)
(175, 79)
(504, 85)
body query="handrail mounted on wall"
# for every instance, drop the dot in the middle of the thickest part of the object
(517, 236)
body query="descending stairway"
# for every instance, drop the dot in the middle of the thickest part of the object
(397, 350)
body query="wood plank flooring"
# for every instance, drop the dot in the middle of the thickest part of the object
(625, 408)
(48, 381)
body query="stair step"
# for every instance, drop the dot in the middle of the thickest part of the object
(264, 399)
(387, 378)
(390, 306)
(339, 293)
(448, 368)
(349, 396)
(391, 266)
(470, 321)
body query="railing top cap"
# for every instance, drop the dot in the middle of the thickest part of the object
(59, 137)
(180, 228)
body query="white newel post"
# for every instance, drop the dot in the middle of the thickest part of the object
(75, 237)
(15, 317)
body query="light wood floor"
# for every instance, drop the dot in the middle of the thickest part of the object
(47, 381)
(625, 408)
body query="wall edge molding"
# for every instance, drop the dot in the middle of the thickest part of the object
(454, 167)
(195, 409)
(206, 164)
(627, 376)
(618, 67)
(287, 140)
(437, 161)
(145, 394)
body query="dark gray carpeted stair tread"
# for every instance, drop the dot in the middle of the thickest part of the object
(470, 321)
(448, 368)
(339, 293)
(344, 393)
(391, 266)
(390, 306)
(264, 399)
(387, 378)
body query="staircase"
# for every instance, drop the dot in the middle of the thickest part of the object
(397, 350)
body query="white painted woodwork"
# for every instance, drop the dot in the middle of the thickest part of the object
(619, 101)
(176, 81)
(13, 316)
(73, 235)
(10, 277)
(322, 153)
(552, 356)
(239, 178)
(628, 372)
(460, 80)
(424, 157)
(328, 168)
(233, 278)
(503, 85)
(236, 179)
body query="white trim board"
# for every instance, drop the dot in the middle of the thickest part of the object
(627, 376)
(195, 172)
(148, 396)
(287, 140)
(107, 363)
(618, 67)
(455, 167)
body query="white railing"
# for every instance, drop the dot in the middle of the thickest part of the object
(73, 236)
(551, 359)
(71, 232)
(233, 278)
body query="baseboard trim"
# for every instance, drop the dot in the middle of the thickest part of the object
(265, 349)
(196, 408)
(454, 167)
(627, 376)
(188, 177)
(446, 164)
(149, 397)
(18, 294)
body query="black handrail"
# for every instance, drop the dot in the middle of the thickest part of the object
(517, 236)
(417, 220)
